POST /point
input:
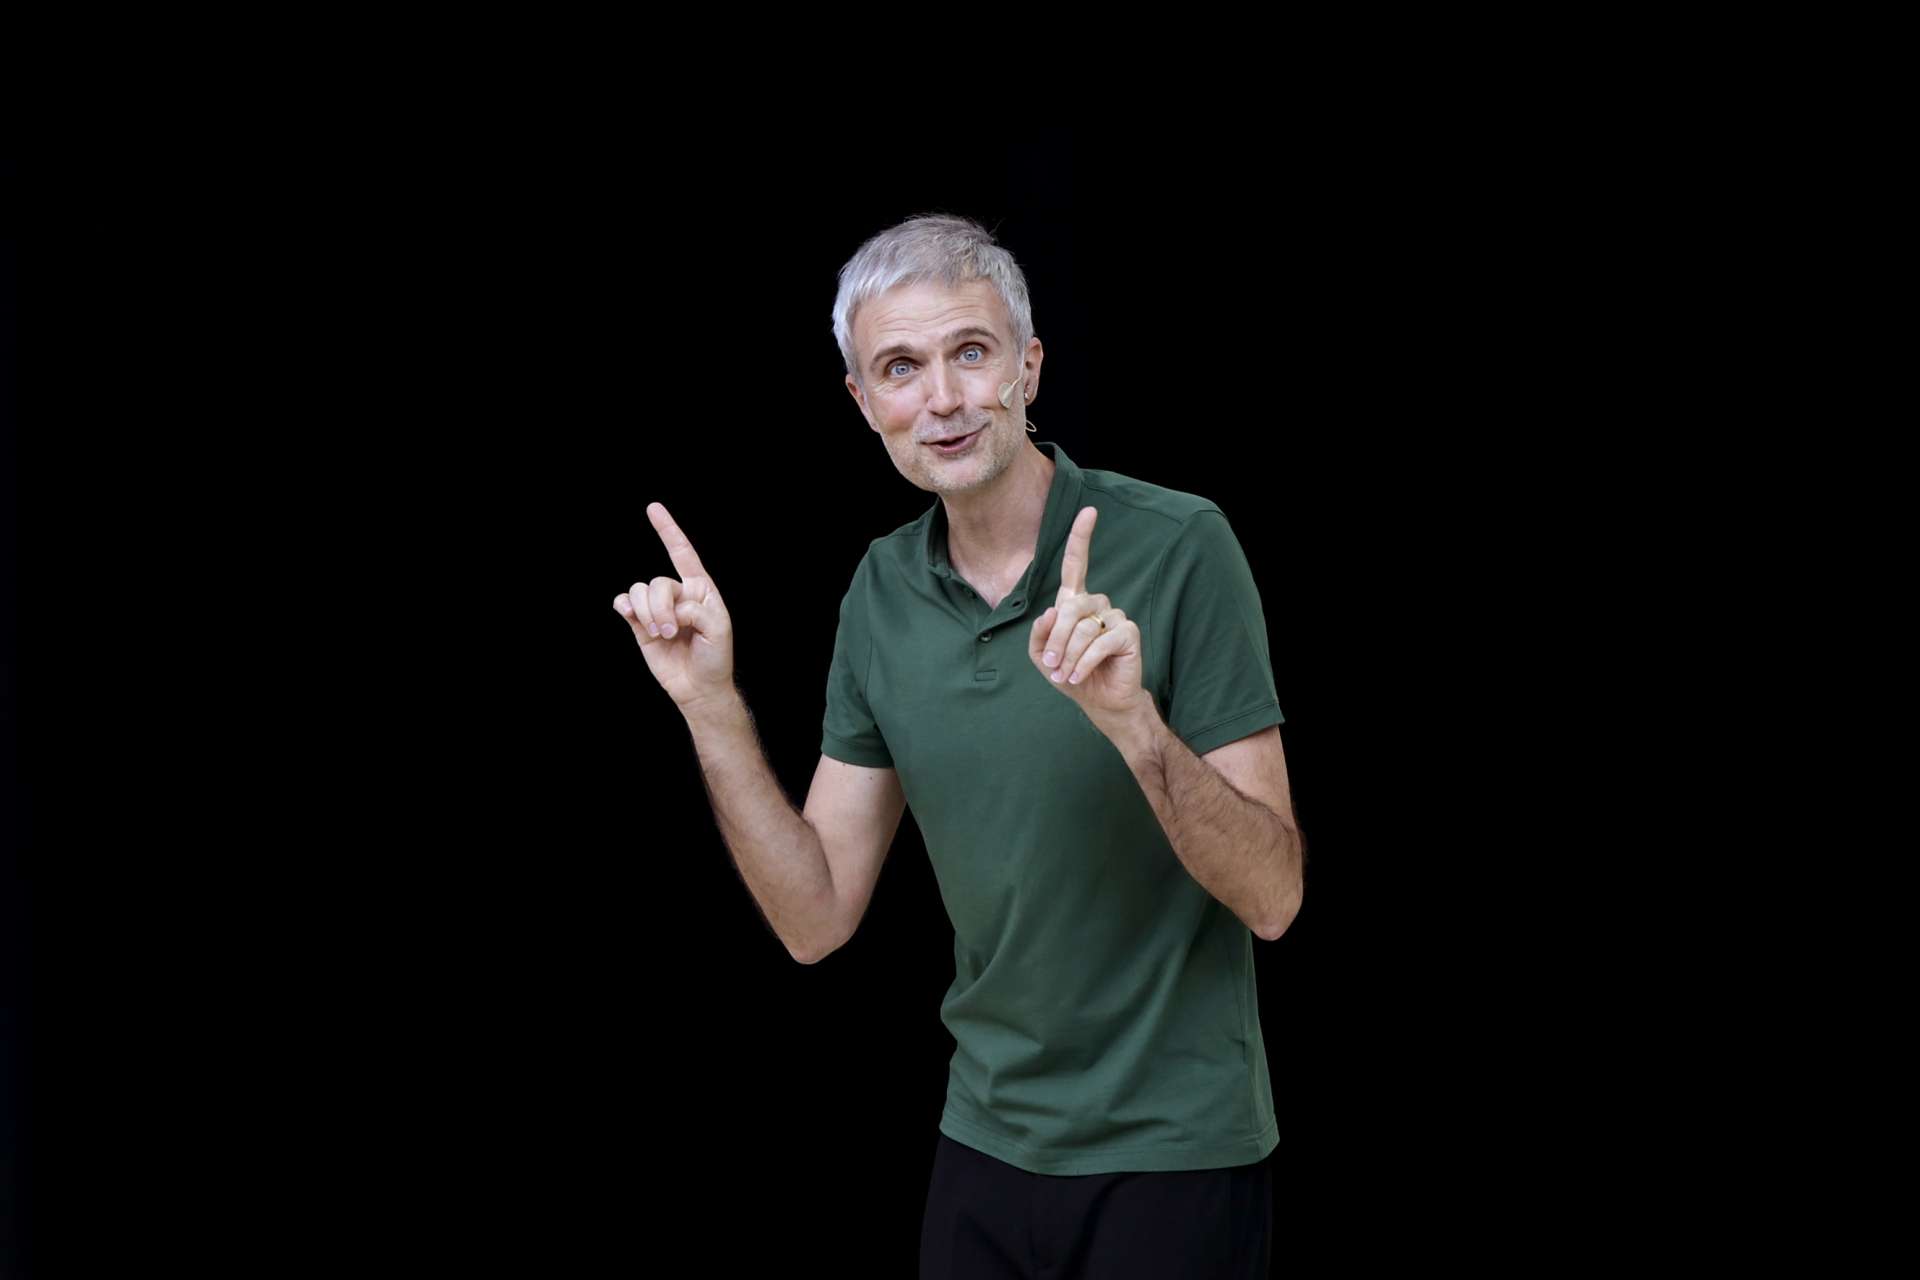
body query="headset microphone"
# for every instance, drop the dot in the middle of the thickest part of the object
(1006, 391)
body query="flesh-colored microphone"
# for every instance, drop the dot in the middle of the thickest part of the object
(1006, 391)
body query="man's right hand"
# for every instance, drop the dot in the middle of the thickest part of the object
(682, 625)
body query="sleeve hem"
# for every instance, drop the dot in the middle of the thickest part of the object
(850, 753)
(1233, 728)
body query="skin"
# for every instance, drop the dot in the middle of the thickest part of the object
(1231, 824)
(1088, 649)
(1228, 815)
(945, 383)
(996, 492)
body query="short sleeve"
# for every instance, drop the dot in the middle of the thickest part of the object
(1207, 609)
(848, 730)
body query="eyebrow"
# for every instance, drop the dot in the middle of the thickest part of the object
(889, 353)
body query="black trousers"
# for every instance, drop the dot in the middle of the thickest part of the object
(988, 1220)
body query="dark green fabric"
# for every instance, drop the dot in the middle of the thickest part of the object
(1103, 1003)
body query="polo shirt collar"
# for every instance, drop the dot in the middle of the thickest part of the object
(1063, 504)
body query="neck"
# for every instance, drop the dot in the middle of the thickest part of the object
(1000, 526)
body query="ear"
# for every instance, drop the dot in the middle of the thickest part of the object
(1035, 354)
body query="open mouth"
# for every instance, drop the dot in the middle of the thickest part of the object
(956, 444)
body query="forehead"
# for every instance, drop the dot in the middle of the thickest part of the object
(921, 311)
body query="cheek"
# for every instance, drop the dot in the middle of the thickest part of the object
(895, 411)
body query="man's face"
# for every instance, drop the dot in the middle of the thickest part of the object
(933, 360)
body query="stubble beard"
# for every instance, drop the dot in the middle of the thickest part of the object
(988, 465)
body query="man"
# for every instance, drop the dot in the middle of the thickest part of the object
(1107, 812)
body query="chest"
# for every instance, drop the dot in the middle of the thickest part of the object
(993, 582)
(993, 586)
(962, 706)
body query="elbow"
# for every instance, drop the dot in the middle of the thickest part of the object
(1292, 892)
(1289, 912)
(816, 949)
(1272, 932)
(816, 953)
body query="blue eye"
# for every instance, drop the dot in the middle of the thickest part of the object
(975, 351)
(895, 365)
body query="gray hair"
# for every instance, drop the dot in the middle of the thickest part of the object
(935, 246)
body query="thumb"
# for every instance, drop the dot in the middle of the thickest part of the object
(700, 591)
(700, 606)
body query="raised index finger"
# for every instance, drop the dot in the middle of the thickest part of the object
(679, 550)
(1073, 565)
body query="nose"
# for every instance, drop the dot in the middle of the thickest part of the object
(943, 389)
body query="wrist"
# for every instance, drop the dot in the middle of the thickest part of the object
(716, 706)
(1134, 729)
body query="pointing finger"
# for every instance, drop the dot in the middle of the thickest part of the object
(1073, 565)
(679, 550)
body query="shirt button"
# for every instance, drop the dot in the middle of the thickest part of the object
(986, 636)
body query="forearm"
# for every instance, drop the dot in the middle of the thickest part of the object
(777, 851)
(1239, 850)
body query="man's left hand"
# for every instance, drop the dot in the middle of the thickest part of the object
(1098, 668)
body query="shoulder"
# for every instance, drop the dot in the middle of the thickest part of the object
(1154, 512)
(896, 552)
(1150, 500)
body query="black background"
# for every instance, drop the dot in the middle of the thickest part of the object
(429, 949)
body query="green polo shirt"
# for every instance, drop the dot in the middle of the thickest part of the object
(1102, 1005)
